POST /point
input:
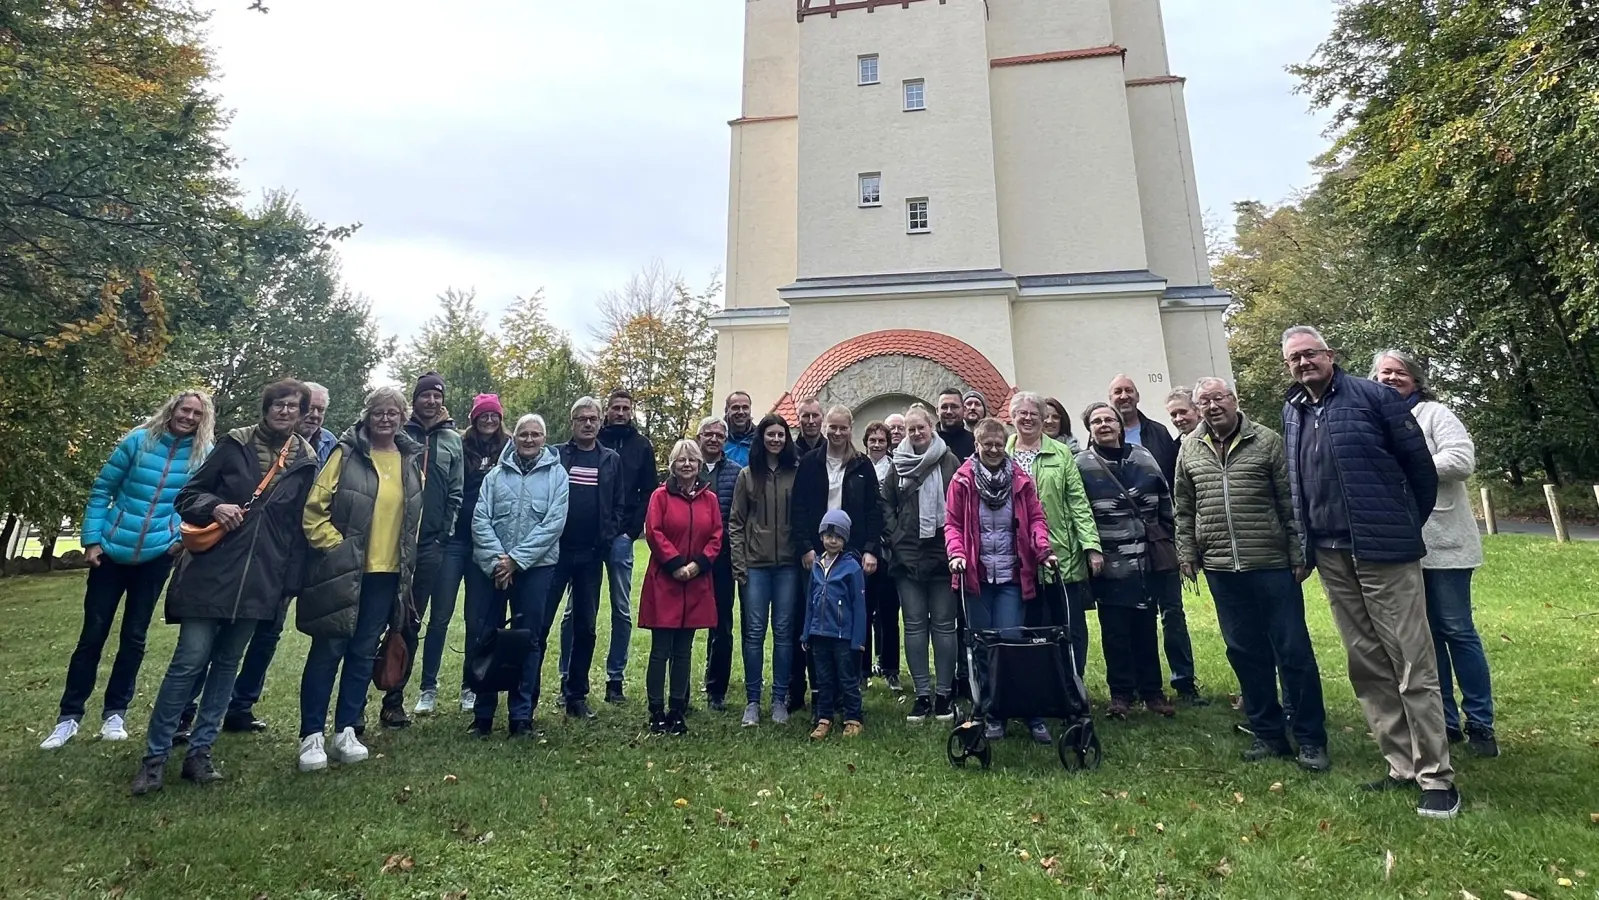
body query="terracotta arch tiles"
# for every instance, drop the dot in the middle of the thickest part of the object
(953, 354)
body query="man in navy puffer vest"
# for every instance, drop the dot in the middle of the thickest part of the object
(1363, 484)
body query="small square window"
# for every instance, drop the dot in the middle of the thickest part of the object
(915, 95)
(868, 70)
(916, 220)
(872, 189)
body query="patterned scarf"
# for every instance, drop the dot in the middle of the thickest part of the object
(993, 487)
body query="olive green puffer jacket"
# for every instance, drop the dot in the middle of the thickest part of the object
(1236, 516)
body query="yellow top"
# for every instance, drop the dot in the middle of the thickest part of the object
(388, 517)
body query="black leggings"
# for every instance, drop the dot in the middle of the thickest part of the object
(674, 645)
(1132, 651)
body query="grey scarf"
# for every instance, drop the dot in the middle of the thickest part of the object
(922, 470)
(993, 487)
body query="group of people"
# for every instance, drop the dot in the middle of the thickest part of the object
(949, 518)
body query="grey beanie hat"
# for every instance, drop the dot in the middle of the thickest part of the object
(978, 394)
(835, 520)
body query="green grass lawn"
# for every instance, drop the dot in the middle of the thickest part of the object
(603, 810)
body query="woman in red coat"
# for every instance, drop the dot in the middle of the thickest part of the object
(683, 527)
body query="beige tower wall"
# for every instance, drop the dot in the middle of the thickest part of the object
(1068, 185)
(982, 321)
(1196, 345)
(944, 153)
(1174, 228)
(1070, 349)
(1031, 27)
(763, 216)
(1139, 27)
(750, 360)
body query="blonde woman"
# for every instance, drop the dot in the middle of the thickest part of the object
(130, 536)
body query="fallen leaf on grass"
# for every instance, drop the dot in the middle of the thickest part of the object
(1517, 895)
(1387, 864)
(1324, 825)
(1238, 797)
(1023, 855)
(1221, 869)
(544, 802)
(1160, 828)
(1594, 818)
(755, 845)
(397, 862)
(763, 792)
(1506, 639)
(849, 767)
(450, 779)
(1468, 895)
(680, 803)
(1037, 818)
(1563, 882)
(453, 895)
(649, 764)
(1276, 787)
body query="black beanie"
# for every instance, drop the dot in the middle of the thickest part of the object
(429, 382)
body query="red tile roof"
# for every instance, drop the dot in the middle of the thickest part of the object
(955, 355)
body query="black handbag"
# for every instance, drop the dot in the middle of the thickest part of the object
(1162, 548)
(496, 662)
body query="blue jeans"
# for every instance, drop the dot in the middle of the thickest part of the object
(838, 679)
(208, 649)
(997, 607)
(771, 596)
(1262, 618)
(1174, 632)
(108, 583)
(452, 569)
(529, 592)
(577, 640)
(379, 593)
(1460, 656)
(620, 569)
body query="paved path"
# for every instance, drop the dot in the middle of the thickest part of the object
(1578, 532)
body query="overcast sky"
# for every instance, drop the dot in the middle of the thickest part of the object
(508, 145)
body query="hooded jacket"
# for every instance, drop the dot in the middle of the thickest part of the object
(1234, 507)
(332, 593)
(444, 474)
(1453, 541)
(962, 529)
(1071, 520)
(253, 571)
(836, 601)
(1380, 467)
(680, 528)
(132, 514)
(759, 526)
(638, 472)
(521, 514)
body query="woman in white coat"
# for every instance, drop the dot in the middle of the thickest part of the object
(1454, 551)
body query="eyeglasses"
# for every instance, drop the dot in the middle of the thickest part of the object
(386, 414)
(1304, 356)
(286, 406)
(1207, 402)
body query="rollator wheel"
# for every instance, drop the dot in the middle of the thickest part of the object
(1079, 748)
(956, 749)
(967, 742)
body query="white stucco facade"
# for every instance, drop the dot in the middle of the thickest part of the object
(1063, 241)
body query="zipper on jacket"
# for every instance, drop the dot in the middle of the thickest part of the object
(144, 527)
(244, 576)
(1227, 506)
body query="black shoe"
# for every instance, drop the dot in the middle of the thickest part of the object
(520, 728)
(242, 722)
(480, 728)
(1192, 698)
(717, 704)
(657, 721)
(675, 723)
(1314, 759)
(199, 768)
(1454, 734)
(892, 680)
(1388, 783)
(613, 692)
(579, 709)
(152, 776)
(1439, 803)
(1264, 749)
(394, 717)
(920, 710)
(796, 702)
(1480, 741)
(943, 708)
(185, 725)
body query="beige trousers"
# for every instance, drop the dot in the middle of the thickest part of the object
(1381, 611)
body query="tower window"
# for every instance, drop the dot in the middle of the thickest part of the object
(872, 189)
(916, 219)
(915, 95)
(868, 70)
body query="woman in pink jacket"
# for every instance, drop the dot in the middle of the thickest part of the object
(995, 534)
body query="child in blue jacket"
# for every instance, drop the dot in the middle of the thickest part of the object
(835, 627)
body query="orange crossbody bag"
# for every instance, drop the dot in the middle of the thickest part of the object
(200, 538)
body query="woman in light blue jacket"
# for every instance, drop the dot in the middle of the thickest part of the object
(516, 540)
(130, 535)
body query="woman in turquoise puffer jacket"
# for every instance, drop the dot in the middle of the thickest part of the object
(130, 535)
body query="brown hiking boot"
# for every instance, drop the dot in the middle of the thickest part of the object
(1119, 707)
(852, 728)
(823, 728)
(1161, 705)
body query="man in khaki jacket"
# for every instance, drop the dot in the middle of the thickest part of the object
(1235, 520)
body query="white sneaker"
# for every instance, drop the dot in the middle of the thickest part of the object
(347, 748)
(63, 732)
(426, 702)
(113, 729)
(468, 700)
(313, 756)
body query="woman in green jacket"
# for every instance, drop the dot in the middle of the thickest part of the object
(1072, 533)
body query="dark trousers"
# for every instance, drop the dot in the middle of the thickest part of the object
(1132, 651)
(800, 669)
(522, 605)
(584, 578)
(1174, 630)
(719, 655)
(670, 652)
(108, 583)
(882, 622)
(1050, 609)
(1262, 618)
(425, 583)
(247, 688)
(838, 679)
